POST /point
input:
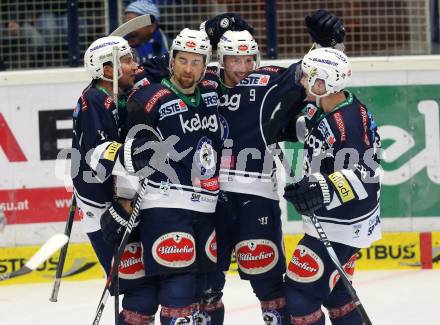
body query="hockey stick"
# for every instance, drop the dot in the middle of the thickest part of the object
(131, 25)
(116, 290)
(121, 249)
(344, 277)
(331, 252)
(45, 251)
(63, 254)
(115, 99)
(122, 31)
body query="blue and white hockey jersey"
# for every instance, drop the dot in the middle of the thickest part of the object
(186, 178)
(245, 112)
(344, 146)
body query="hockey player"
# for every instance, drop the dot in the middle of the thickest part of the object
(96, 122)
(341, 187)
(96, 132)
(176, 220)
(248, 214)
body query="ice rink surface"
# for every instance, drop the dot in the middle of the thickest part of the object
(409, 297)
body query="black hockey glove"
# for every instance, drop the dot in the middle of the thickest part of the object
(113, 223)
(215, 27)
(325, 28)
(136, 154)
(309, 194)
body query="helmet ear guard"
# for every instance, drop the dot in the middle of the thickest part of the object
(237, 43)
(101, 52)
(330, 65)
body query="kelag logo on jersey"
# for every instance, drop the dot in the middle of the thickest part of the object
(197, 123)
(230, 102)
(210, 99)
(255, 79)
(172, 107)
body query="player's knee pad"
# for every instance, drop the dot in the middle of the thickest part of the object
(210, 287)
(129, 317)
(177, 290)
(210, 309)
(268, 289)
(303, 309)
(345, 315)
(141, 299)
(177, 315)
(270, 292)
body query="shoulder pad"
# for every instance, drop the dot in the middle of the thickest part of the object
(155, 96)
(95, 97)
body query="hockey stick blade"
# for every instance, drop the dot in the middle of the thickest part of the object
(132, 25)
(47, 250)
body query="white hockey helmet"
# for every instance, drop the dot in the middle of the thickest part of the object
(237, 43)
(330, 65)
(192, 41)
(101, 51)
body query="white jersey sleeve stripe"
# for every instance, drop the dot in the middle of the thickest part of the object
(356, 183)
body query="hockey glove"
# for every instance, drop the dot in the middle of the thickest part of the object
(114, 221)
(135, 156)
(215, 27)
(325, 28)
(309, 194)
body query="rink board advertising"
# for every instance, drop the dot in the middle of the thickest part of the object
(408, 119)
(35, 124)
(405, 251)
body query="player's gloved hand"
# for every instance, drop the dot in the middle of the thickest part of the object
(309, 194)
(136, 153)
(325, 28)
(215, 27)
(114, 221)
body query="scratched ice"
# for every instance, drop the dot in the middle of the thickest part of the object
(390, 297)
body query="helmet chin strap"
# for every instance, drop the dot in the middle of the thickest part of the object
(111, 80)
(318, 97)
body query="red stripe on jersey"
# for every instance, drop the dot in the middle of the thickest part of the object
(155, 98)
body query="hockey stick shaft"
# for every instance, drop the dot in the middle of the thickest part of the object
(117, 259)
(343, 275)
(43, 253)
(116, 292)
(63, 254)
